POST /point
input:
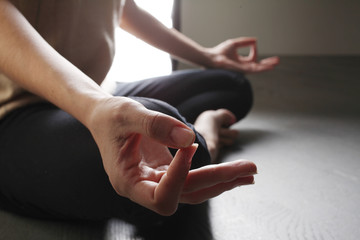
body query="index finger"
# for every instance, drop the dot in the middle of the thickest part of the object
(244, 41)
(252, 57)
(168, 191)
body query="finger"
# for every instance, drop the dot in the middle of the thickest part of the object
(246, 67)
(207, 193)
(212, 175)
(253, 67)
(228, 133)
(167, 193)
(163, 128)
(168, 130)
(247, 42)
(226, 117)
(234, 65)
(253, 53)
(244, 41)
(252, 57)
(227, 137)
(270, 61)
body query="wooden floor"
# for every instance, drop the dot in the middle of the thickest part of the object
(304, 135)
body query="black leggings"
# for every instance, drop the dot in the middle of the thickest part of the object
(50, 166)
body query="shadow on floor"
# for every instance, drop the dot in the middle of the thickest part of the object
(247, 137)
(250, 136)
(17, 227)
(192, 222)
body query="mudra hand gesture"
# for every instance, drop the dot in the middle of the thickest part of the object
(226, 56)
(134, 142)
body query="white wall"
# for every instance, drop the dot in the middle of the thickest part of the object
(284, 27)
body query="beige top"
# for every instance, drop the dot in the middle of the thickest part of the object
(80, 30)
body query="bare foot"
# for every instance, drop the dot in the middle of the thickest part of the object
(214, 125)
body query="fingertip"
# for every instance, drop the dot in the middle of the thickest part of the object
(182, 137)
(277, 58)
(193, 148)
(249, 180)
(251, 167)
(188, 152)
(248, 39)
(271, 61)
(245, 41)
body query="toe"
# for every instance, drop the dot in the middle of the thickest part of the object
(225, 117)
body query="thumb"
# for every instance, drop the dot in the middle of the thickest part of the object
(164, 129)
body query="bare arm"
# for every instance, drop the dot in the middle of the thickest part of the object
(30, 61)
(143, 25)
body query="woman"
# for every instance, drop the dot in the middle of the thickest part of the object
(69, 149)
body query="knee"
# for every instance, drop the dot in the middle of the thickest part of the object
(238, 89)
(245, 93)
(235, 81)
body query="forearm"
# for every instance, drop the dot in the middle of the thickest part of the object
(31, 62)
(146, 27)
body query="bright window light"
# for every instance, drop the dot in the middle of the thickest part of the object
(136, 60)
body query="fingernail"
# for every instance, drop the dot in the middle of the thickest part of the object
(195, 145)
(182, 137)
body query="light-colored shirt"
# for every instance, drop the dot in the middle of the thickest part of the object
(80, 30)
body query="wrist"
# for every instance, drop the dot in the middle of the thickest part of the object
(208, 58)
(94, 110)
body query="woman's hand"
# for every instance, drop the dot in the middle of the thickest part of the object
(133, 143)
(226, 56)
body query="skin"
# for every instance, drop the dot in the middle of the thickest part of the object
(214, 127)
(133, 140)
